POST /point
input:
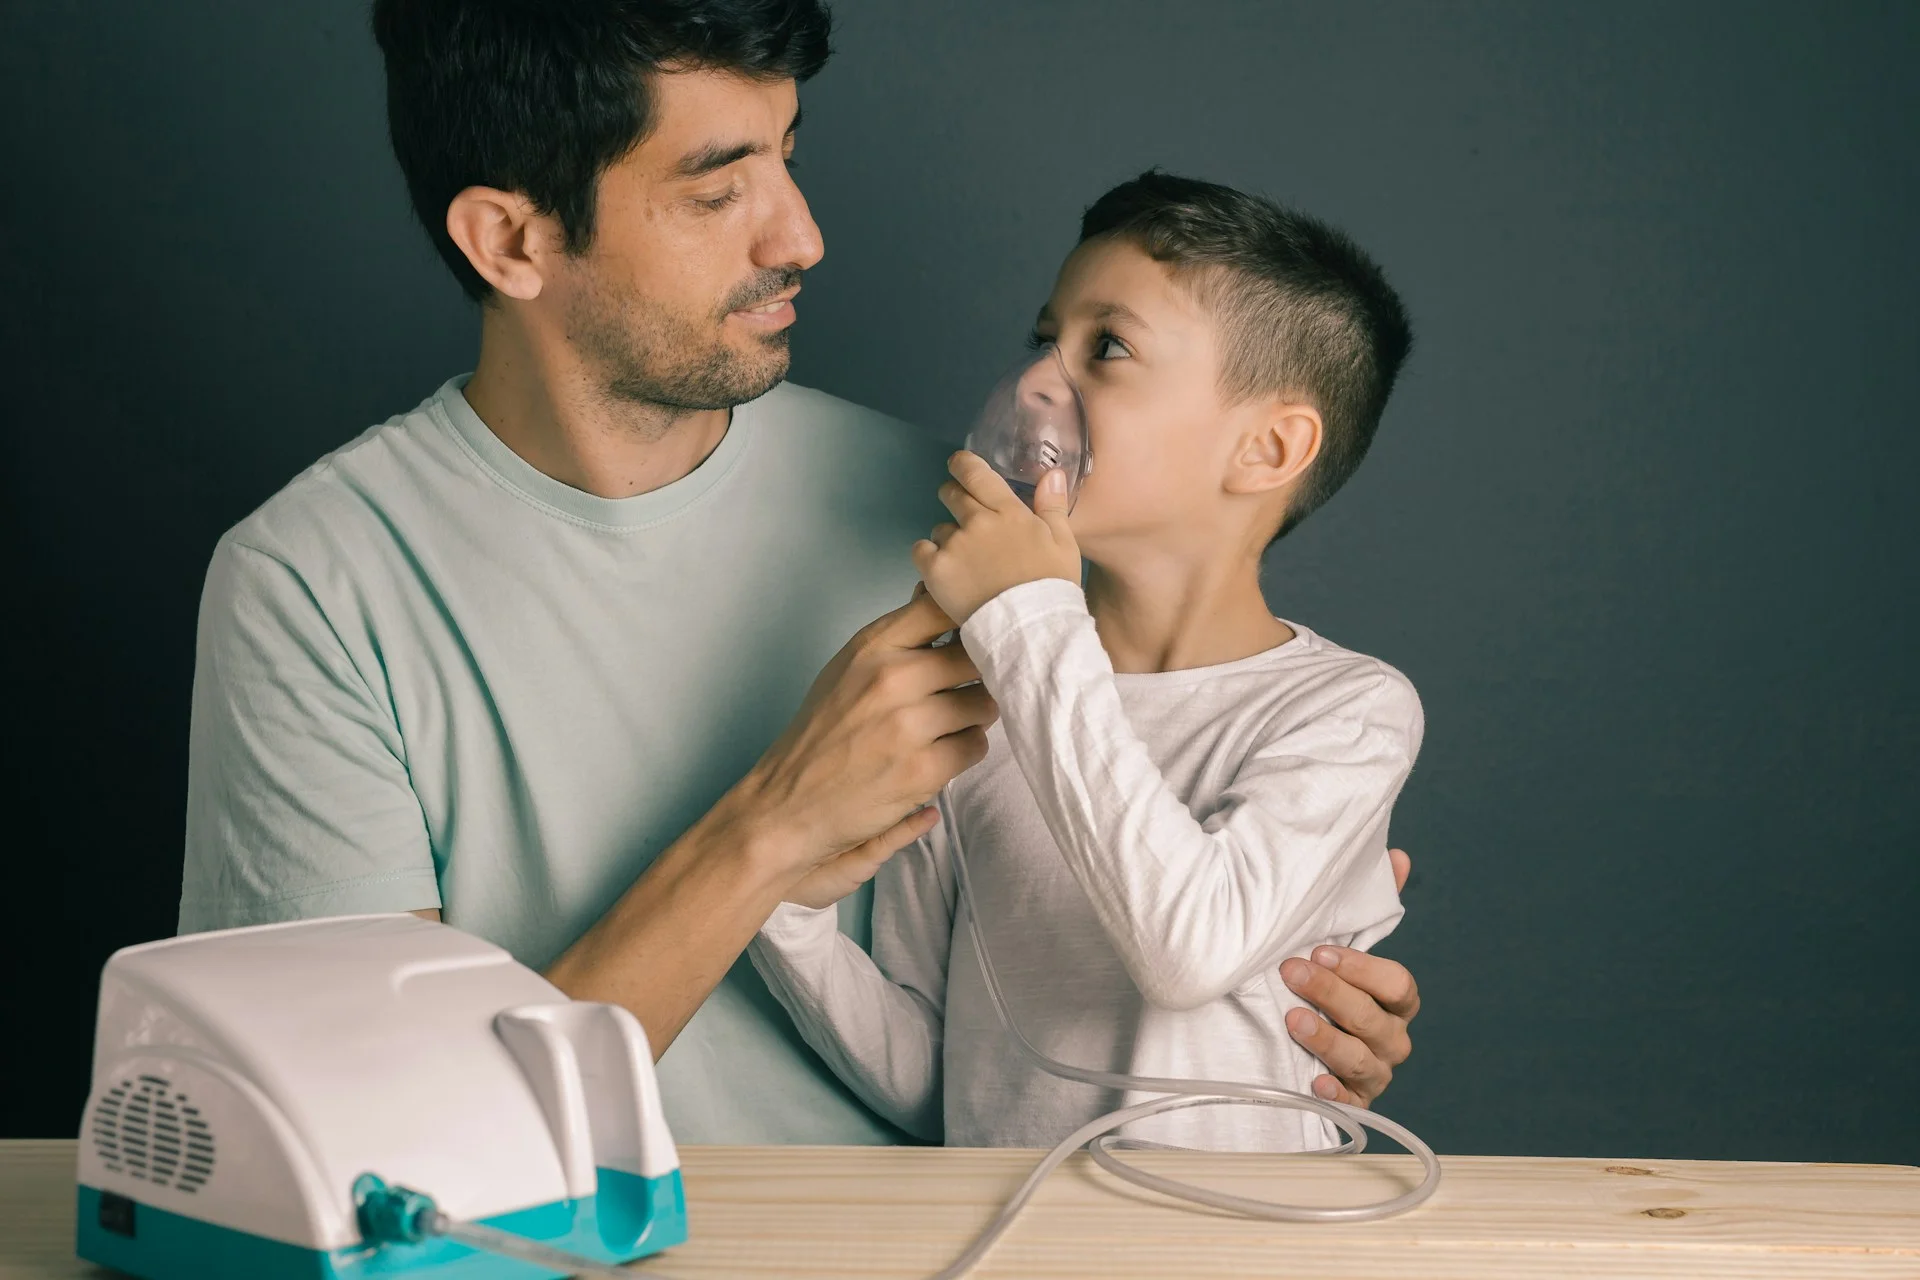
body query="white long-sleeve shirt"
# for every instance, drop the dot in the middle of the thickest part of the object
(1144, 850)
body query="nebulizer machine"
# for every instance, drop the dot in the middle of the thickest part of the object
(375, 1097)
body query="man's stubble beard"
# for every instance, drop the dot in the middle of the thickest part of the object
(643, 355)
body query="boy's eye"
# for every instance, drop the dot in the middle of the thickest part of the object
(1105, 344)
(1035, 341)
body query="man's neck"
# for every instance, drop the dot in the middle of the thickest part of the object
(1168, 613)
(542, 404)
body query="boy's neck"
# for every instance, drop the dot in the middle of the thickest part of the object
(1175, 616)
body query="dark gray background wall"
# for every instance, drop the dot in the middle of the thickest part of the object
(1639, 523)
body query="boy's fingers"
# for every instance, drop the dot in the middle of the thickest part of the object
(981, 481)
(964, 506)
(1402, 868)
(1050, 499)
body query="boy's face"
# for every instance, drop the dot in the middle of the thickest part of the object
(1147, 360)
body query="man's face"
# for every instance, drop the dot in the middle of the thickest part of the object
(685, 295)
(1145, 356)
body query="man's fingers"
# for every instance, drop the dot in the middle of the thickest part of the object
(892, 840)
(1345, 1056)
(1386, 981)
(957, 709)
(958, 752)
(928, 671)
(1330, 1088)
(914, 624)
(1350, 1008)
(1402, 868)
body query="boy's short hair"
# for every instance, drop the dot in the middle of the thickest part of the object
(1302, 310)
(540, 98)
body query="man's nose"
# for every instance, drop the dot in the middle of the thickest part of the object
(791, 237)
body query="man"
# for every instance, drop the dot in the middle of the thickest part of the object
(515, 659)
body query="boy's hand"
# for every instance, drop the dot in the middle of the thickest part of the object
(997, 543)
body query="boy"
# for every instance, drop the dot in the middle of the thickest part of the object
(1182, 789)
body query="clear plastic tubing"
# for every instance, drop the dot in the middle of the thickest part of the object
(1098, 1136)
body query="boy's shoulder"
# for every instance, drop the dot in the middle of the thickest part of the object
(1356, 685)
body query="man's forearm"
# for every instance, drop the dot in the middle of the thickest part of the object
(668, 941)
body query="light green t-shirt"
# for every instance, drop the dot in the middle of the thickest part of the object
(429, 675)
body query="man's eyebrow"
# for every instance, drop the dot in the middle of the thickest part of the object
(697, 164)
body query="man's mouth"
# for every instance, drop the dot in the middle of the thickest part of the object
(774, 314)
(771, 305)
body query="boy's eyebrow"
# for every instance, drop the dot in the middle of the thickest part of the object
(697, 164)
(1102, 313)
(1119, 311)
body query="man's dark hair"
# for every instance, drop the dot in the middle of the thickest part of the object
(540, 96)
(1301, 310)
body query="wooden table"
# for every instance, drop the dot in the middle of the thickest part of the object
(815, 1212)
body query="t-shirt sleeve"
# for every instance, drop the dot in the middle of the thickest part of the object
(298, 798)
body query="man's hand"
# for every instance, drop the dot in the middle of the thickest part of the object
(882, 730)
(1368, 1001)
(997, 543)
(884, 727)
(841, 874)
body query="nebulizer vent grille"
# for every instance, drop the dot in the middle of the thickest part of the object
(145, 1129)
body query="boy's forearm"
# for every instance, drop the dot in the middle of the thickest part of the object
(882, 1039)
(666, 944)
(1188, 910)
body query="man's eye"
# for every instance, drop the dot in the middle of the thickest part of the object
(1106, 342)
(720, 201)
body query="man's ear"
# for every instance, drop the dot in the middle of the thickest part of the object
(1282, 441)
(504, 238)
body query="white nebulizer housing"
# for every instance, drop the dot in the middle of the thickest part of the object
(260, 1096)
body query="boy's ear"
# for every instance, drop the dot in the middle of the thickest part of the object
(1281, 443)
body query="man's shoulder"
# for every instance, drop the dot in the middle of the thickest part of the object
(344, 493)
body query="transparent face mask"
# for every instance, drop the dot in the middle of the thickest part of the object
(1033, 422)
